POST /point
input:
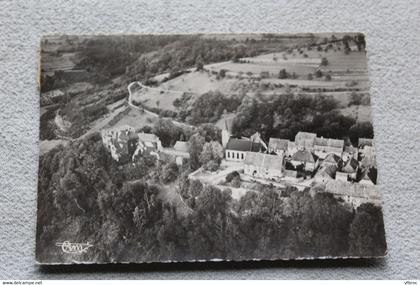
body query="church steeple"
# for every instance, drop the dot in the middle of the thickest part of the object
(225, 135)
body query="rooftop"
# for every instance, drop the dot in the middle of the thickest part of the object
(243, 145)
(352, 189)
(329, 142)
(332, 157)
(182, 146)
(305, 156)
(148, 137)
(268, 161)
(350, 166)
(329, 170)
(305, 135)
(275, 144)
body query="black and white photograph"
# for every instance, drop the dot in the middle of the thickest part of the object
(206, 147)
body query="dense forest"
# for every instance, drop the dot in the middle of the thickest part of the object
(132, 58)
(85, 196)
(140, 57)
(292, 113)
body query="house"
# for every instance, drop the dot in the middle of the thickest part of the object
(256, 138)
(236, 149)
(291, 148)
(263, 165)
(278, 146)
(150, 140)
(148, 144)
(108, 135)
(368, 176)
(366, 180)
(120, 141)
(325, 173)
(304, 140)
(324, 146)
(354, 194)
(179, 153)
(367, 149)
(368, 160)
(366, 146)
(125, 141)
(182, 146)
(350, 166)
(349, 152)
(290, 173)
(331, 159)
(305, 158)
(341, 176)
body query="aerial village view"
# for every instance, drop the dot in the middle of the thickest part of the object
(160, 148)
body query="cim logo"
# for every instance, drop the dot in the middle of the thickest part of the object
(69, 247)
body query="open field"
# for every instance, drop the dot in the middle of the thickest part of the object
(132, 117)
(201, 82)
(260, 75)
(156, 97)
(257, 68)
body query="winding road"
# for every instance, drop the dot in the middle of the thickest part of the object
(130, 99)
(104, 121)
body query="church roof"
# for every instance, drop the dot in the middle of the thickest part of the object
(243, 145)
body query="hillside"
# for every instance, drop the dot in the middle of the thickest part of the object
(330, 69)
(76, 76)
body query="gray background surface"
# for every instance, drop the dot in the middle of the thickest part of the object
(393, 40)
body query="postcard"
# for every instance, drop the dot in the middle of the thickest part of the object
(206, 147)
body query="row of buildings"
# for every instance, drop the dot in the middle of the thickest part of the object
(327, 161)
(322, 158)
(307, 156)
(125, 144)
